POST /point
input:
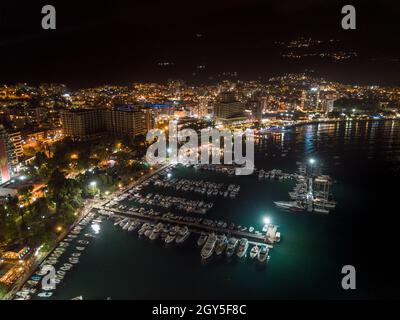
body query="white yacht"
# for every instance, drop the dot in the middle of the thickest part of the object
(183, 234)
(170, 237)
(254, 252)
(131, 226)
(126, 225)
(144, 227)
(221, 244)
(148, 232)
(209, 246)
(202, 239)
(263, 254)
(156, 231)
(123, 222)
(45, 294)
(230, 249)
(243, 245)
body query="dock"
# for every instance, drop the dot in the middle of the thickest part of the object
(195, 227)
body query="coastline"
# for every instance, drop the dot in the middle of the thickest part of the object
(92, 204)
(341, 120)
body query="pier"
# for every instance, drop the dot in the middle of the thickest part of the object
(195, 227)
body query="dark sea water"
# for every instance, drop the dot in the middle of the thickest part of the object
(363, 159)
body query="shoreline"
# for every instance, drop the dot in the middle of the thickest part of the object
(341, 120)
(20, 283)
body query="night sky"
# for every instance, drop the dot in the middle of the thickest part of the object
(118, 42)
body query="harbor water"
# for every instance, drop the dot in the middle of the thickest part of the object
(361, 157)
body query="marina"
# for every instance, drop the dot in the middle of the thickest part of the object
(313, 249)
(118, 205)
(311, 192)
(198, 226)
(199, 186)
(57, 259)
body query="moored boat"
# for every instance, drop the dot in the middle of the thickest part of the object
(202, 239)
(208, 248)
(243, 245)
(221, 244)
(231, 247)
(254, 252)
(263, 254)
(183, 234)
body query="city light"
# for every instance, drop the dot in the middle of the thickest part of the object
(163, 157)
(96, 228)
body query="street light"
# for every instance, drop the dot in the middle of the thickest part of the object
(93, 183)
(312, 161)
(267, 220)
(169, 175)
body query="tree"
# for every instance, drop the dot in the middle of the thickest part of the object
(24, 195)
(9, 229)
(56, 182)
(40, 159)
(29, 151)
(3, 290)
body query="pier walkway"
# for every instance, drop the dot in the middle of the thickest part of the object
(195, 227)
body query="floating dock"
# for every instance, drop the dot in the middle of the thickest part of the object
(195, 227)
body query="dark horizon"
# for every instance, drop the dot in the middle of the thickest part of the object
(119, 42)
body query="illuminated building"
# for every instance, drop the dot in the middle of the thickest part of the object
(16, 140)
(127, 120)
(8, 158)
(227, 106)
(82, 124)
